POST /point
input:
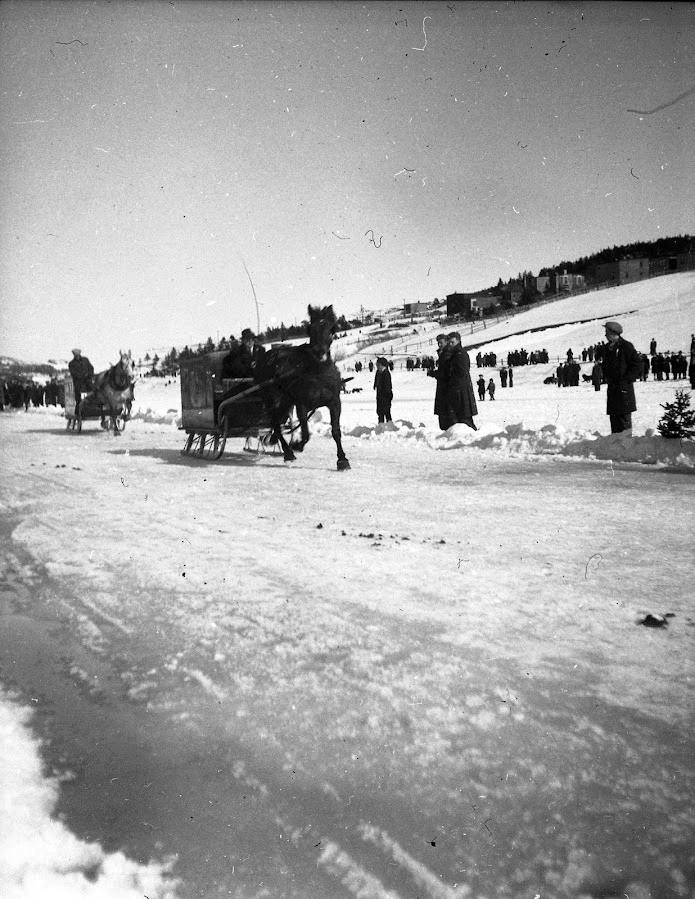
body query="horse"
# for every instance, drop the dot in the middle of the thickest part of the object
(113, 391)
(306, 378)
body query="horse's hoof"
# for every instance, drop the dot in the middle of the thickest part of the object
(291, 458)
(343, 465)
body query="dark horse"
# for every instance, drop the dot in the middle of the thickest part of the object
(113, 391)
(304, 377)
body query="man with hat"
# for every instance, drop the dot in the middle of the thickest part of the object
(621, 368)
(441, 373)
(82, 372)
(244, 357)
(384, 390)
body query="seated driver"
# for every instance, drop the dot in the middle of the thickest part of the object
(82, 372)
(242, 359)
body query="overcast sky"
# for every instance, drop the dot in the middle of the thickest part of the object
(362, 154)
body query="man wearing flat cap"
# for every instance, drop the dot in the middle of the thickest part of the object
(82, 372)
(621, 368)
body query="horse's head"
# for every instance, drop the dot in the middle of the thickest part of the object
(123, 372)
(126, 363)
(322, 327)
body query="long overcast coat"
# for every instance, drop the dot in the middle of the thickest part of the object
(460, 396)
(621, 368)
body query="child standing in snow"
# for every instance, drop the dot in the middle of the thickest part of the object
(491, 388)
(384, 390)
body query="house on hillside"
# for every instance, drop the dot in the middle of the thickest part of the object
(470, 304)
(569, 282)
(414, 308)
(555, 282)
(624, 271)
(667, 265)
(512, 292)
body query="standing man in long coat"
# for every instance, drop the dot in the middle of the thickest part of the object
(460, 388)
(621, 368)
(441, 405)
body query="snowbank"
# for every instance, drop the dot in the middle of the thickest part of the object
(651, 449)
(39, 856)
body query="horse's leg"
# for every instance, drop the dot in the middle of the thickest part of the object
(304, 428)
(343, 464)
(287, 453)
(277, 412)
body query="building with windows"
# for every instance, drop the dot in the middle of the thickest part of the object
(667, 265)
(624, 271)
(414, 308)
(470, 304)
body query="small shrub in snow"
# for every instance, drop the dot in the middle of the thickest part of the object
(678, 420)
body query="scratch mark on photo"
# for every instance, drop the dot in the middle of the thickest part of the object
(664, 105)
(425, 33)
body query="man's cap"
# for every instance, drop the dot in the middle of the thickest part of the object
(441, 336)
(247, 332)
(382, 361)
(614, 327)
(77, 351)
(454, 334)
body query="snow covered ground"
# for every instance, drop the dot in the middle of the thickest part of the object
(423, 676)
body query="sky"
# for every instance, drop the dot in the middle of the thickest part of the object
(176, 170)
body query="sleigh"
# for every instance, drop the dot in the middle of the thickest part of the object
(91, 409)
(215, 409)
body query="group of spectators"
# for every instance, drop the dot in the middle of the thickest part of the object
(426, 363)
(486, 360)
(523, 357)
(370, 365)
(16, 393)
(665, 364)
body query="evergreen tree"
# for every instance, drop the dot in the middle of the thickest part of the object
(678, 420)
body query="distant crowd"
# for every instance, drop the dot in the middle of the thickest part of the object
(16, 393)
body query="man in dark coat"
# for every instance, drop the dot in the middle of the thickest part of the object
(481, 388)
(82, 372)
(459, 387)
(597, 375)
(621, 368)
(244, 357)
(441, 406)
(384, 390)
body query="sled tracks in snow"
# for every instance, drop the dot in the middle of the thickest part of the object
(349, 866)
